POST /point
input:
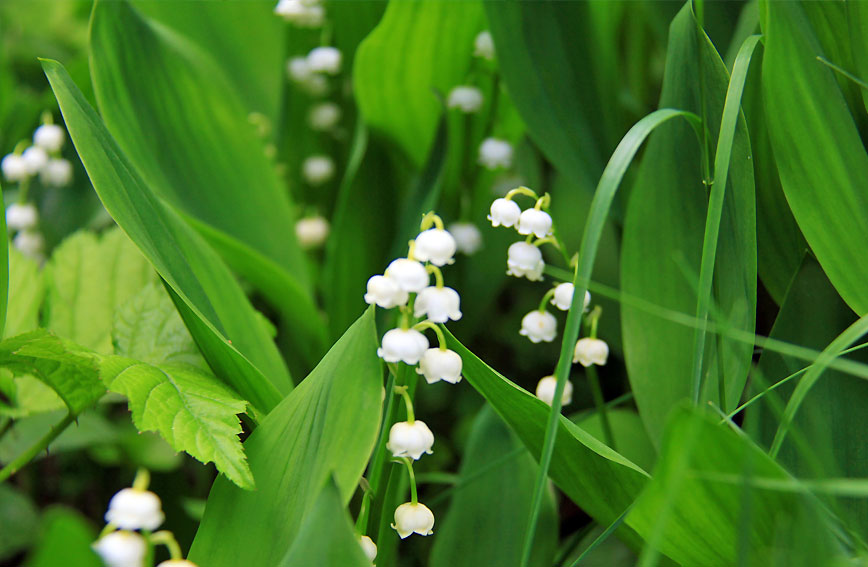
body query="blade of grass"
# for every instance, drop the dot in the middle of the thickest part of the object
(602, 537)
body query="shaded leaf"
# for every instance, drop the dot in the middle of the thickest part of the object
(65, 539)
(20, 520)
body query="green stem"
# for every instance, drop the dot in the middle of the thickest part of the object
(377, 467)
(408, 402)
(600, 403)
(545, 299)
(441, 338)
(34, 450)
(438, 275)
(142, 480)
(431, 219)
(165, 537)
(543, 202)
(546, 240)
(414, 496)
(521, 191)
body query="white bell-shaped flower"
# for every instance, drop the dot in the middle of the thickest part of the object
(410, 274)
(504, 212)
(35, 159)
(325, 59)
(121, 549)
(318, 169)
(298, 69)
(483, 45)
(21, 216)
(563, 296)
(302, 13)
(495, 153)
(403, 345)
(591, 351)
(30, 243)
(465, 98)
(545, 390)
(177, 563)
(311, 232)
(435, 245)
(14, 168)
(539, 326)
(49, 137)
(410, 439)
(368, 547)
(468, 237)
(324, 116)
(536, 222)
(525, 260)
(439, 365)
(385, 292)
(134, 509)
(56, 173)
(438, 304)
(413, 518)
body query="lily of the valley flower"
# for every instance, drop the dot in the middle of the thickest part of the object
(49, 137)
(35, 159)
(465, 98)
(545, 390)
(21, 216)
(324, 116)
(504, 212)
(411, 440)
(591, 351)
(311, 232)
(300, 73)
(177, 563)
(467, 236)
(439, 305)
(536, 222)
(121, 549)
(318, 169)
(413, 518)
(524, 260)
(56, 173)
(14, 168)
(385, 292)
(483, 45)
(539, 326)
(302, 13)
(563, 296)
(134, 509)
(368, 547)
(30, 243)
(410, 274)
(437, 364)
(435, 245)
(403, 345)
(325, 59)
(495, 153)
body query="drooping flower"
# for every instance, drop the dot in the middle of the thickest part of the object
(368, 547)
(468, 238)
(311, 232)
(325, 59)
(536, 222)
(121, 549)
(49, 137)
(483, 45)
(410, 274)
(403, 345)
(14, 168)
(410, 439)
(134, 509)
(35, 159)
(539, 326)
(439, 365)
(435, 245)
(413, 518)
(302, 13)
(385, 292)
(465, 98)
(504, 212)
(495, 153)
(591, 351)
(524, 260)
(545, 390)
(318, 169)
(21, 216)
(177, 563)
(324, 116)
(56, 173)
(30, 243)
(563, 297)
(438, 304)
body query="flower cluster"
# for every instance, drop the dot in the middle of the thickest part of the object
(133, 515)
(301, 13)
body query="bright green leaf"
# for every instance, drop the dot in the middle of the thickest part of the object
(26, 292)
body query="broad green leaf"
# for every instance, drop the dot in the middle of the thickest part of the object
(64, 539)
(857, 16)
(326, 537)
(26, 292)
(184, 127)
(20, 520)
(212, 303)
(416, 47)
(631, 440)
(491, 504)
(170, 388)
(663, 241)
(352, 22)
(819, 153)
(326, 426)
(87, 279)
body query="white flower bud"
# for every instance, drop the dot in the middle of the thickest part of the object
(298, 69)
(410, 274)
(121, 549)
(435, 245)
(325, 59)
(467, 236)
(413, 518)
(35, 159)
(368, 547)
(385, 292)
(465, 98)
(324, 116)
(525, 260)
(504, 212)
(563, 297)
(318, 169)
(177, 563)
(495, 153)
(483, 45)
(533, 221)
(49, 137)
(545, 390)
(539, 326)
(30, 243)
(14, 168)
(438, 304)
(56, 173)
(403, 345)
(439, 365)
(311, 232)
(410, 439)
(133, 509)
(302, 13)
(591, 351)
(21, 216)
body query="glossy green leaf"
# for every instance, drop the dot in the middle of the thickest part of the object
(663, 239)
(631, 440)
(214, 306)
(820, 155)
(185, 128)
(857, 17)
(326, 426)
(417, 47)
(326, 537)
(87, 279)
(491, 504)
(65, 539)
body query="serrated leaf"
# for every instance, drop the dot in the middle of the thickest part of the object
(188, 407)
(88, 277)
